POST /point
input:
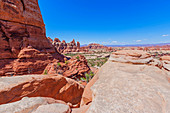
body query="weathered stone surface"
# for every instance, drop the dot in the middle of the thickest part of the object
(21, 11)
(124, 87)
(165, 58)
(53, 108)
(58, 87)
(131, 56)
(35, 105)
(82, 109)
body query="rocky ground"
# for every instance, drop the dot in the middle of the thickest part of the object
(39, 75)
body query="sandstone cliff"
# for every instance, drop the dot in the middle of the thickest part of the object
(22, 31)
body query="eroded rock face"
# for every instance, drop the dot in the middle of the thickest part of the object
(130, 87)
(73, 68)
(21, 26)
(57, 87)
(35, 105)
(64, 47)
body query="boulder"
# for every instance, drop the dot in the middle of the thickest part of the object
(35, 105)
(53, 108)
(57, 87)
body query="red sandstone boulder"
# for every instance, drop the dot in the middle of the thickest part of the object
(57, 87)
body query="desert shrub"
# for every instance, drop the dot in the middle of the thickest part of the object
(98, 64)
(91, 74)
(45, 72)
(87, 77)
(78, 58)
(58, 64)
(66, 62)
(82, 79)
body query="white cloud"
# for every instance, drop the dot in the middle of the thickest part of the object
(138, 40)
(165, 35)
(110, 42)
(114, 42)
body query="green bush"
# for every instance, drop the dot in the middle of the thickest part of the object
(45, 72)
(78, 58)
(87, 77)
(58, 64)
(82, 79)
(66, 62)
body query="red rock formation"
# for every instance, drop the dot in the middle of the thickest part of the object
(21, 27)
(73, 68)
(64, 47)
(56, 40)
(63, 41)
(78, 45)
(50, 39)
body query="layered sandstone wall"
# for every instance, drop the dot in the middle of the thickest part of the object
(22, 30)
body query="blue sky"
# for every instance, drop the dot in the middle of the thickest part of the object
(108, 22)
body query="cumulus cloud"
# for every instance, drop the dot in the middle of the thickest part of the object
(138, 40)
(165, 35)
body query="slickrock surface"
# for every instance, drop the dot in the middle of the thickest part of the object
(35, 105)
(21, 27)
(131, 88)
(58, 87)
(131, 56)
